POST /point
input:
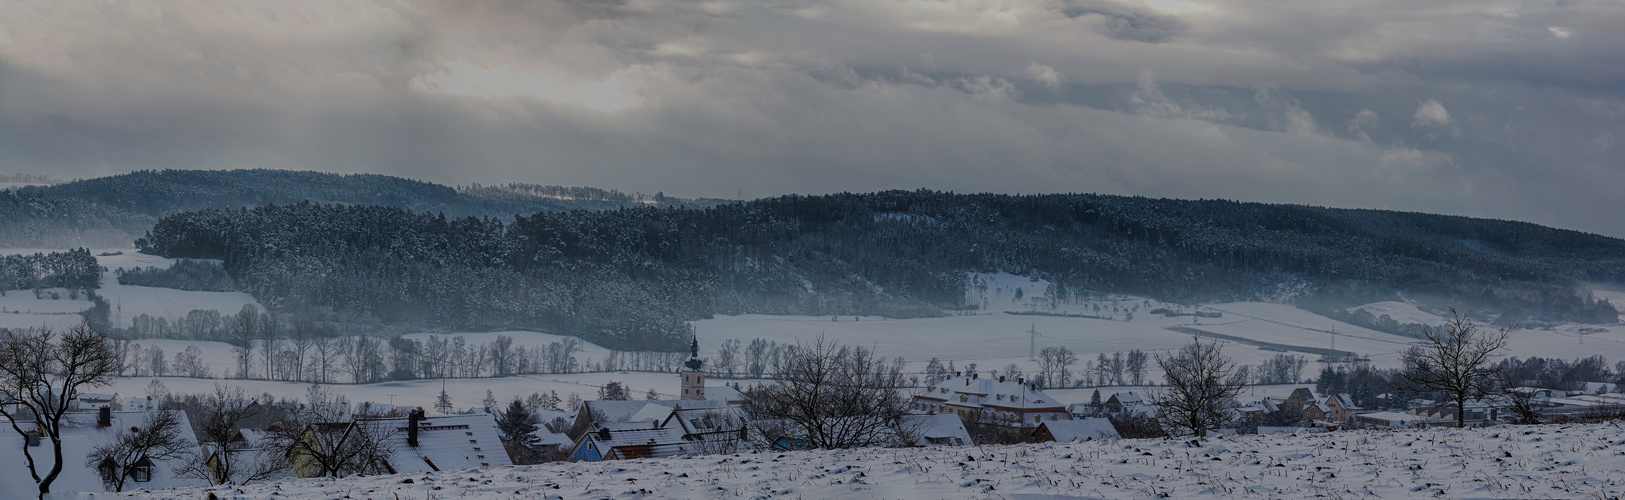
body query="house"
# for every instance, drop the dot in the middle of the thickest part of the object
(1316, 411)
(593, 415)
(1340, 408)
(1124, 404)
(1067, 431)
(938, 429)
(551, 445)
(249, 449)
(1482, 411)
(658, 431)
(86, 401)
(1298, 400)
(1013, 403)
(725, 394)
(82, 432)
(446, 442)
(1396, 420)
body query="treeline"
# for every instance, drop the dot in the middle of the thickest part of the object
(628, 278)
(114, 210)
(184, 274)
(268, 347)
(73, 269)
(1557, 373)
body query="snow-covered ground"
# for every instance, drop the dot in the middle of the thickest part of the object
(1572, 461)
(130, 301)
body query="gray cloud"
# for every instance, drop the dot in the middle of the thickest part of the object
(1454, 107)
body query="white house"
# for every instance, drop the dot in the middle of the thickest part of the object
(1014, 403)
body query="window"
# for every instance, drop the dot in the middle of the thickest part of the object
(141, 473)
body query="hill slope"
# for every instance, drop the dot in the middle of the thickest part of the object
(629, 277)
(113, 211)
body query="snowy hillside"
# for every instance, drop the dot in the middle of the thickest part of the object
(1579, 461)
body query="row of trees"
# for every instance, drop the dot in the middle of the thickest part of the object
(183, 274)
(75, 270)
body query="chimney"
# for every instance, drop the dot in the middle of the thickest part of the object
(956, 374)
(603, 434)
(33, 437)
(1021, 380)
(412, 427)
(975, 375)
(104, 418)
(1001, 379)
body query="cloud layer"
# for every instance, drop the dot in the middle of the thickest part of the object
(1507, 110)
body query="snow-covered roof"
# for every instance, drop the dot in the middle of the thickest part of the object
(1346, 402)
(1083, 429)
(940, 428)
(545, 437)
(79, 436)
(1126, 398)
(445, 442)
(976, 392)
(723, 393)
(623, 411)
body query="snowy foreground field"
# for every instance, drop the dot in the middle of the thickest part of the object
(1571, 461)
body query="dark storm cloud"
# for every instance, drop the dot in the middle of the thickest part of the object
(1508, 110)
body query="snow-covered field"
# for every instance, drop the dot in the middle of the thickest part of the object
(129, 301)
(1573, 461)
(985, 336)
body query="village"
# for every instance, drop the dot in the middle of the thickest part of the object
(246, 440)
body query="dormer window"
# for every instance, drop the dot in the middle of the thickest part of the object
(141, 472)
(963, 398)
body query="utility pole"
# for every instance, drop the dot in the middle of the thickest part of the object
(1032, 343)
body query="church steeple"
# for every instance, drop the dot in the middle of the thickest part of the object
(693, 374)
(694, 361)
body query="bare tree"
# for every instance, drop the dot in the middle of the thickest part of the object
(833, 396)
(157, 438)
(303, 337)
(219, 424)
(1455, 360)
(270, 331)
(326, 355)
(1202, 387)
(244, 329)
(1135, 363)
(318, 437)
(728, 357)
(40, 373)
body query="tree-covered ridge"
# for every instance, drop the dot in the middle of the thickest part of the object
(628, 278)
(113, 210)
(73, 269)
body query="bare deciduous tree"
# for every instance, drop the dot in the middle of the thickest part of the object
(1202, 387)
(1455, 360)
(219, 424)
(157, 438)
(833, 396)
(40, 373)
(319, 437)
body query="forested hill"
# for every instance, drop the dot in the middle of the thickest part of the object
(113, 211)
(627, 278)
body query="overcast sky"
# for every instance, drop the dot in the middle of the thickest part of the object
(1511, 110)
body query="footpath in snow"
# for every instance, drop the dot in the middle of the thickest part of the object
(1552, 461)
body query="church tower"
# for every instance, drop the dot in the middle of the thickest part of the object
(693, 375)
